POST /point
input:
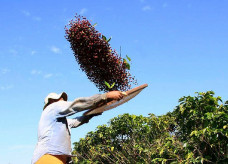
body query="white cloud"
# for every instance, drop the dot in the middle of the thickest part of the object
(37, 18)
(5, 70)
(36, 72)
(43, 74)
(12, 51)
(83, 11)
(146, 8)
(48, 75)
(7, 87)
(33, 52)
(55, 50)
(26, 13)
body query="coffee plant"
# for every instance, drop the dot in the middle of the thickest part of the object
(195, 132)
(96, 58)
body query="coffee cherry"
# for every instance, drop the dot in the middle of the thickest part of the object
(95, 56)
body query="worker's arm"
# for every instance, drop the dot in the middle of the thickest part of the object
(84, 103)
(78, 121)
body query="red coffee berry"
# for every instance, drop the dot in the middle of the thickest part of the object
(95, 56)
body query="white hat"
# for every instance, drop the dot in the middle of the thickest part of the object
(54, 96)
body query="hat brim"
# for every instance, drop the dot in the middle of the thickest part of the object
(62, 95)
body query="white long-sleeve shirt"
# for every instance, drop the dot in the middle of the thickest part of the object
(54, 128)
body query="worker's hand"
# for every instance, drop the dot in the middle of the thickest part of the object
(115, 95)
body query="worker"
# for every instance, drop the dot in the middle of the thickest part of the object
(54, 136)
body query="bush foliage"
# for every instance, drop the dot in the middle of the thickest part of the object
(195, 132)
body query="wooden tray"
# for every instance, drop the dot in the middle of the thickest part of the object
(114, 103)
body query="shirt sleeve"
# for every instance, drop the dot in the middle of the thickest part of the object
(75, 122)
(66, 108)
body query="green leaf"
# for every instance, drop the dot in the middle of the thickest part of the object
(181, 109)
(204, 130)
(128, 58)
(174, 162)
(94, 24)
(193, 133)
(127, 64)
(109, 39)
(161, 152)
(104, 38)
(113, 84)
(202, 160)
(189, 155)
(107, 84)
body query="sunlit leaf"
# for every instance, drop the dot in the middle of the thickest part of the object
(128, 58)
(94, 24)
(104, 37)
(113, 84)
(109, 39)
(107, 84)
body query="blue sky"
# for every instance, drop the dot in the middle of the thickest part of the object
(178, 47)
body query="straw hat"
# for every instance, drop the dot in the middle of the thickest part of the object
(54, 96)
